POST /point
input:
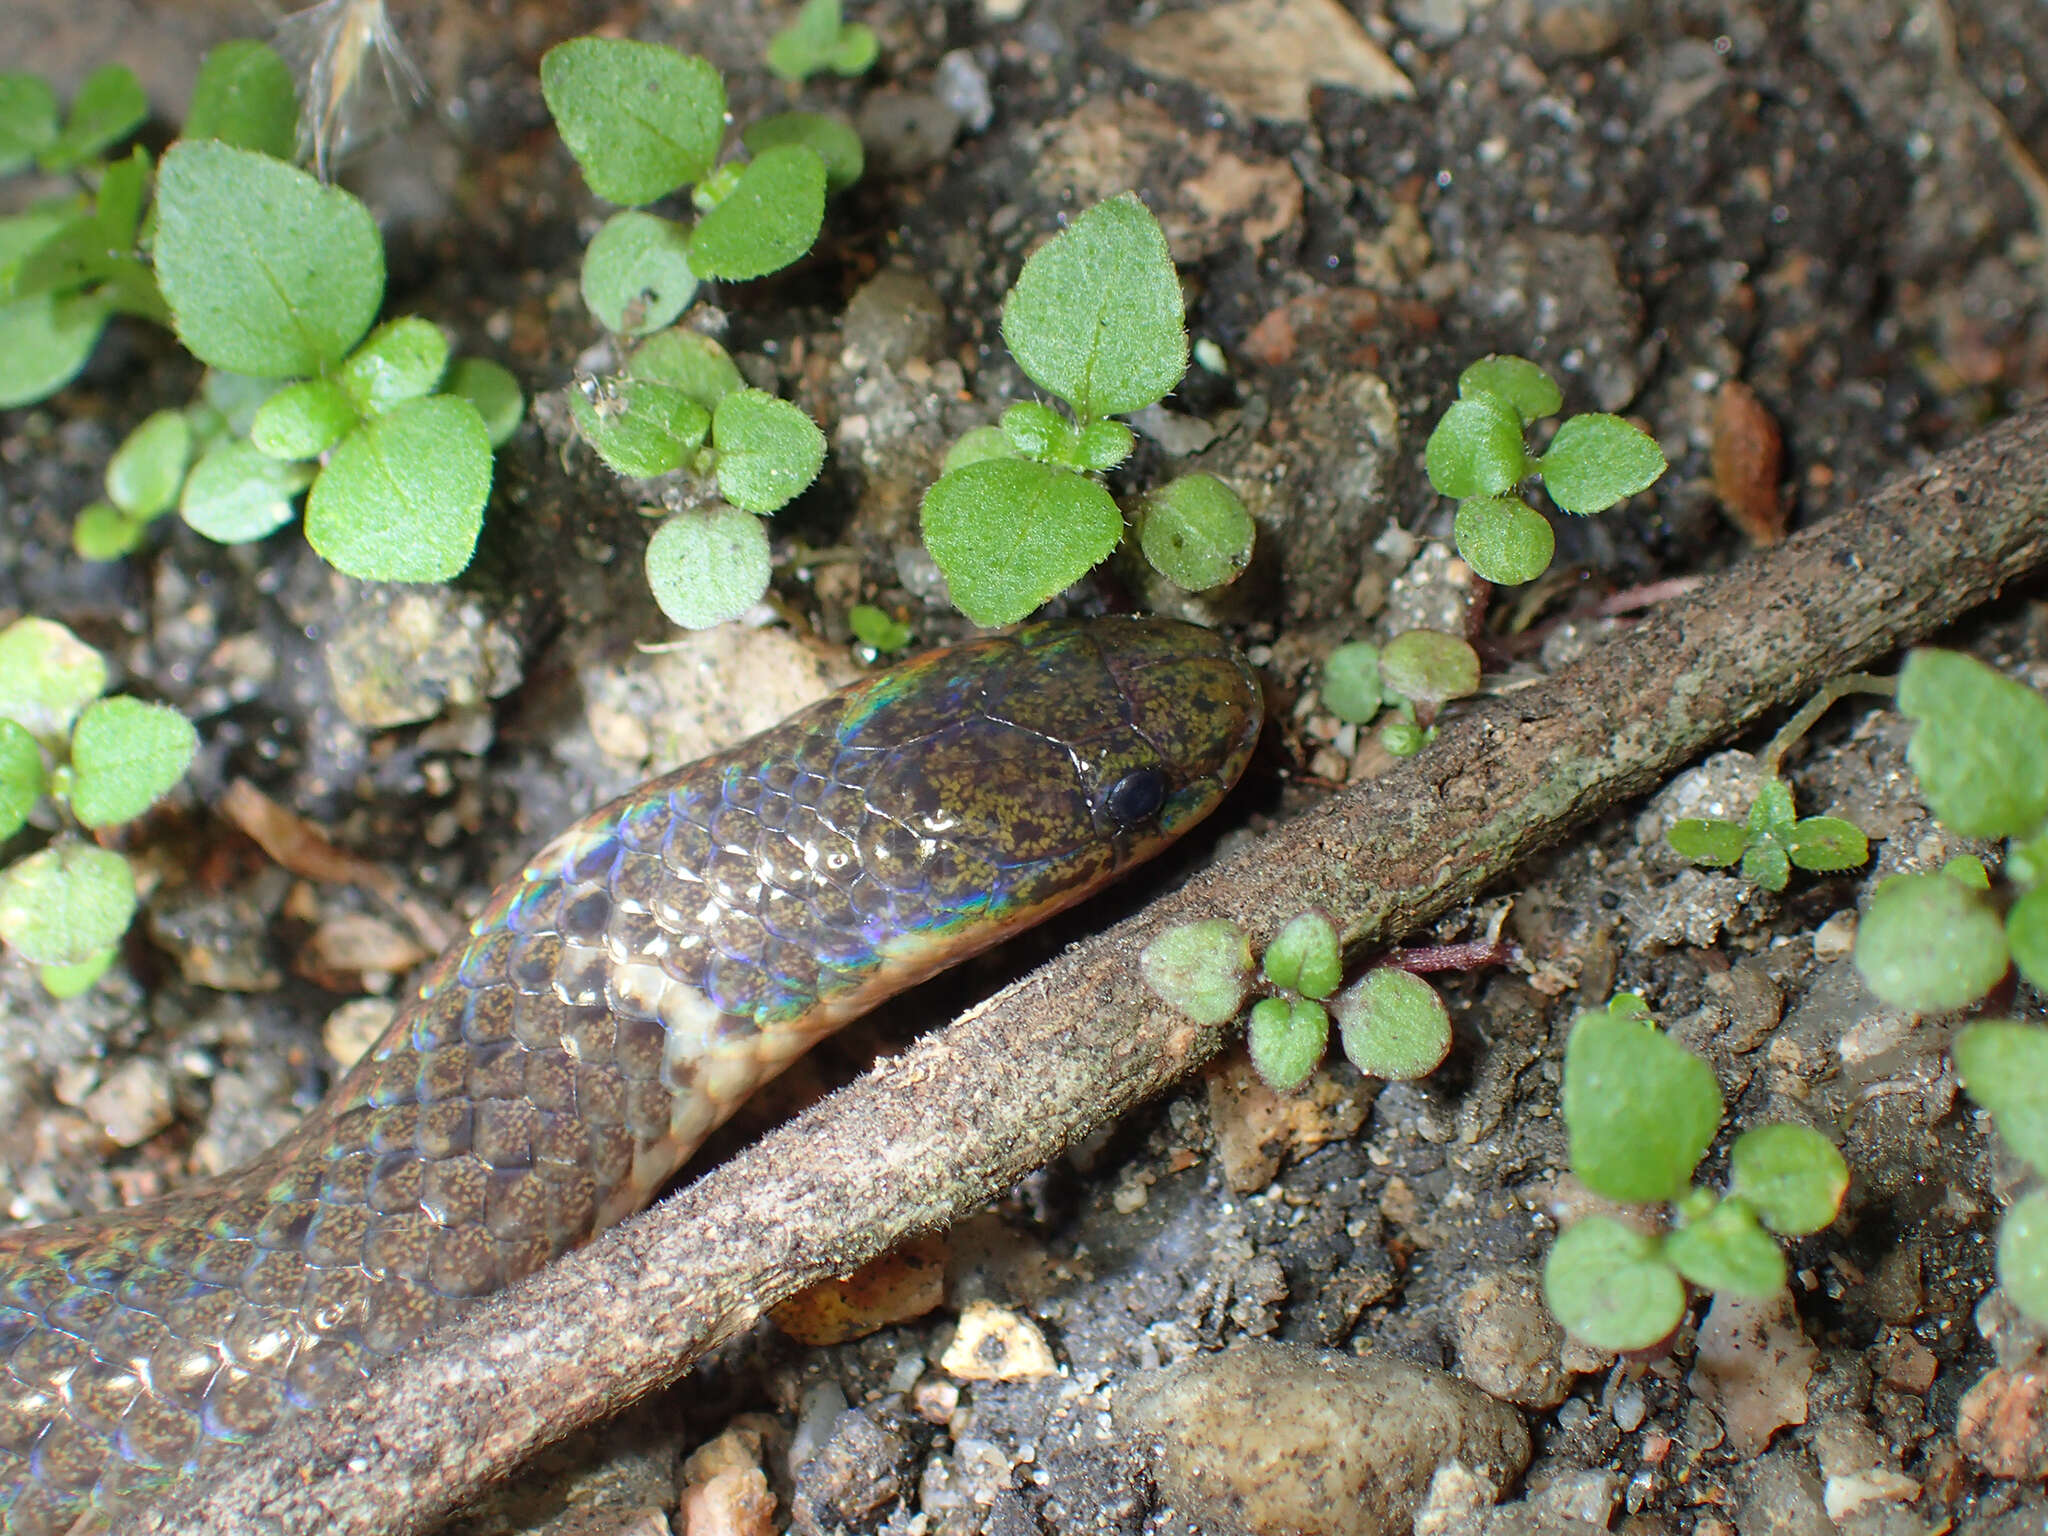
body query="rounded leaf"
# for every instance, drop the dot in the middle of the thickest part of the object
(1009, 533)
(2026, 935)
(1825, 844)
(146, 471)
(1195, 531)
(1503, 538)
(494, 392)
(831, 138)
(237, 493)
(1203, 969)
(769, 219)
(641, 120)
(72, 980)
(1713, 843)
(1597, 460)
(636, 274)
(976, 444)
(244, 95)
(104, 532)
(1726, 1252)
(47, 674)
(1791, 1175)
(1532, 392)
(266, 270)
(640, 429)
(44, 341)
(768, 450)
(1428, 666)
(2023, 1255)
(1476, 449)
(28, 119)
(1286, 1039)
(1096, 314)
(691, 362)
(401, 360)
(303, 420)
(707, 567)
(1351, 682)
(22, 779)
(1611, 1287)
(402, 499)
(109, 106)
(1930, 944)
(1306, 956)
(1102, 445)
(2004, 1065)
(66, 903)
(124, 755)
(1038, 431)
(1639, 1108)
(1980, 744)
(1765, 866)
(878, 631)
(1394, 1024)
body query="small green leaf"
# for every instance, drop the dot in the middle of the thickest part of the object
(690, 361)
(1930, 944)
(1476, 449)
(1351, 682)
(1968, 870)
(1194, 530)
(73, 980)
(2026, 861)
(47, 674)
(44, 342)
(640, 429)
(237, 397)
(1771, 814)
(641, 120)
(2004, 1064)
(304, 420)
(1503, 538)
(146, 471)
(109, 106)
(1765, 866)
(22, 779)
(1102, 445)
(818, 40)
(401, 360)
(1532, 392)
(1726, 1252)
(1287, 1037)
(28, 119)
(244, 96)
(1823, 845)
(66, 903)
(1639, 1108)
(977, 444)
(22, 235)
(1202, 969)
(402, 498)
(124, 755)
(1791, 1175)
(769, 219)
(1403, 738)
(2023, 1255)
(2026, 935)
(1980, 744)
(1713, 842)
(1611, 1286)
(492, 389)
(636, 274)
(707, 567)
(1038, 431)
(833, 140)
(117, 205)
(1306, 957)
(877, 630)
(104, 532)
(1597, 460)
(1395, 1025)
(236, 493)
(1096, 314)
(1427, 666)
(768, 450)
(857, 50)
(267, 271)
(1009, 533)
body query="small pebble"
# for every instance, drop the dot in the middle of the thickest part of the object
(995, 1344)
(962, 86)
(1835, 938)
(134, 1104)
(1508, 1343)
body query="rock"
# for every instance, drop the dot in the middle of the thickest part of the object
(904, 131)
(353, 1028)
(403, 654)
(1257, 1129)
(1508, 1343)
(861, 1470)
(2002, 1423)
(894, 317)
(133, 1104)
(1270, 1438)
(996, 1344)
(1753, 1367)
(1783, 1498)
(725, 1490)
(904, 1283)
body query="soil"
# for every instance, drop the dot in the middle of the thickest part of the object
(1651, 197)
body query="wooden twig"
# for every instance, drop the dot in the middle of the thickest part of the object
(934, 1133)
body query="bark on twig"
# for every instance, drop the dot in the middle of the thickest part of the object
(953, 1122)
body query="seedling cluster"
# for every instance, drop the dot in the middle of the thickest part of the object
(1411, 680)
(72, 763)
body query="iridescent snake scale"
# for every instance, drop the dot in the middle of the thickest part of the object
(645, 972)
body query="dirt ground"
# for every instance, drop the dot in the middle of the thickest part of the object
(1837, 203)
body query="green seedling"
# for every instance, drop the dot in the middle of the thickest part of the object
(644, 123)
(1411, 679)
(1640, 1111)
(877, 631)
(1021, 512)
(1478, 456)
(1941, 942)
(72, 763)
(819, 40)
(1392, 1024)
(1771, 842)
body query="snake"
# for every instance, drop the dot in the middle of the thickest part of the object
(612, 1004)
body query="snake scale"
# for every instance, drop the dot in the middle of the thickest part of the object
(612, 1004)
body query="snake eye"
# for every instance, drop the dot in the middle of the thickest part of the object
(1135, 797)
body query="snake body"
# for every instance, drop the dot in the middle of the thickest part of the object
(647, 970)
